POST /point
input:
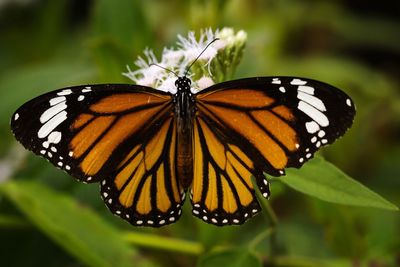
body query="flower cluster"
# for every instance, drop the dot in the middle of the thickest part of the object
(216, 64)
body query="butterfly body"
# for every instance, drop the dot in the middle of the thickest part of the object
(148, 148)
(184, 112)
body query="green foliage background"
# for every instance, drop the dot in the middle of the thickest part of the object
(48, 219)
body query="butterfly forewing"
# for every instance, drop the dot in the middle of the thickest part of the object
(81, 129)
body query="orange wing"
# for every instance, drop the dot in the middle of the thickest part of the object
(144, 189)
(246, 127)
(222, 192)
(121, 135)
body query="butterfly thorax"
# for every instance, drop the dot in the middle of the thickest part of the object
(184, 119)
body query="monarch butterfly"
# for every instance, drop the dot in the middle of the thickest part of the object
(147, 148)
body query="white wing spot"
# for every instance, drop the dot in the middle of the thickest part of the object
(60, 163)
(51, 112)
(53, 149)
(71, 154)
(235, 221)
(301, 160)
(81, 97)
(308, 155)
(52, 124)
(265, 195)
(306, 89)
(324, 141)
(45, 144)
(16, 116)
(282, 89)
(312, 100)
(86, 89)
(42, 152)
(56, 100)
(321, 133)
(298, 82)
(312, 127)
(65, 92)
(314, 139)
(276, 81)
(54, 138)
(348, 102)
(313, 113)
(67, 167)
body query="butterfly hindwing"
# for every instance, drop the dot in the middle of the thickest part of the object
(144, 188)
(222, 191)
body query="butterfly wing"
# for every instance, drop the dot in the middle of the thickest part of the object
(260, 124)
(121, 135)
(222, 192)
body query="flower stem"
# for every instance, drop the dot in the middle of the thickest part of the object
(273, 218)
(257, 240)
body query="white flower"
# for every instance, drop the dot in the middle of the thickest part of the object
(177, 60)
(193, 48)
(204, 82)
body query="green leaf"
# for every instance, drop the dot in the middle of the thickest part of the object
(120, 31)
(323, 180)
(73, 226)
(233, 258)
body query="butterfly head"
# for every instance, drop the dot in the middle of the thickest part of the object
(183, 83)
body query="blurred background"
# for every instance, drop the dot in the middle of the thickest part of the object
(48, 219)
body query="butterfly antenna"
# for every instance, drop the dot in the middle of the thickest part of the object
(153, 64)
(187, 70)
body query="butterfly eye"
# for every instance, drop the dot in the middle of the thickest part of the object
(186, 80)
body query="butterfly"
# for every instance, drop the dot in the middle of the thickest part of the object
(148, 148)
